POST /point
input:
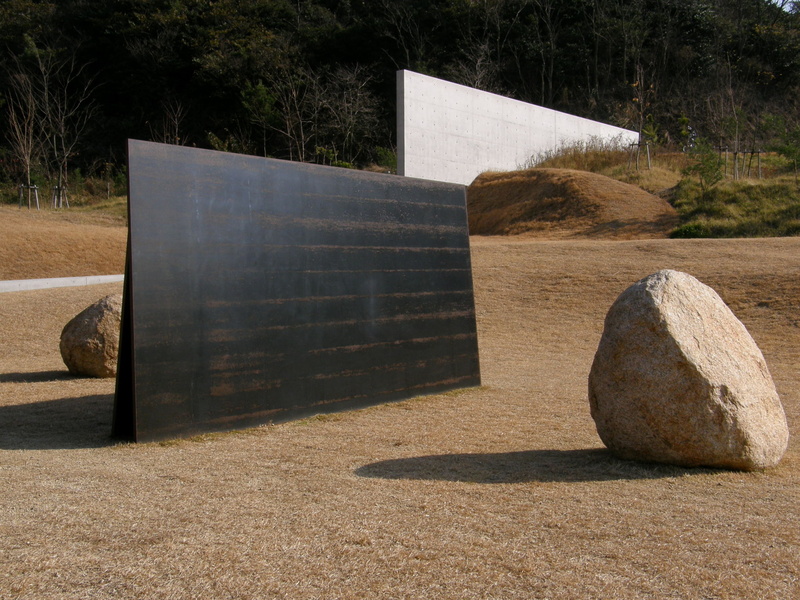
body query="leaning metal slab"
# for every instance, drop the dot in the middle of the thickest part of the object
(260, 290)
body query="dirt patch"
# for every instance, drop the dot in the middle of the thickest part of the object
(499, 492)
(563, 203)
(40, 244)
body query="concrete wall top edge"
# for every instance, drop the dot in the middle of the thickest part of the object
(435, 88)
(450, 132)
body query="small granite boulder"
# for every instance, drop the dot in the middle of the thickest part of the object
(677, 379)
(90, 341)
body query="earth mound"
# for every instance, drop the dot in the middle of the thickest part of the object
(564, 203)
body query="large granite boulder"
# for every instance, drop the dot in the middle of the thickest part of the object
(678, 379)
(90, 341)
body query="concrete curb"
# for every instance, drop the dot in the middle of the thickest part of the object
(20, 285)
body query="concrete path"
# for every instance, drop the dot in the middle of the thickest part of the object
(19, 285)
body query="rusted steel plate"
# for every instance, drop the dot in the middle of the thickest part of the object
(260, 290)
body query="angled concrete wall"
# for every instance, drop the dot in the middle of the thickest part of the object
(450, 132)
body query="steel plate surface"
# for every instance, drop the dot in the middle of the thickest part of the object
(261, 290)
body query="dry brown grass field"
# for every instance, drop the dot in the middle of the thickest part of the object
(499, 492)
(39, 244)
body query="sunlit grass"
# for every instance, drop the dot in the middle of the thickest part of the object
(761, 208)
(115, 208)
(762, 201)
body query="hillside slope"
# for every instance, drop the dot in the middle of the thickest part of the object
(39, 244)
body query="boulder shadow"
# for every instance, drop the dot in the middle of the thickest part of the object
(568, 466)
(67, 423)
(37, 377)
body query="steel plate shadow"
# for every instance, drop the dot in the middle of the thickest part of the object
(68, 423)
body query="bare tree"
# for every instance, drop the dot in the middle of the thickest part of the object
(65, 109)
(549, 15)
(169, 130)
(350, 116)
(484, 37)
(476, 68)
(22, 111)
(321, 115)
(296, 97)
(405, 26)
(260, 106)
(726, 118)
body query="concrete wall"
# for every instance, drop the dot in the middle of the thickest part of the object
(450, 132)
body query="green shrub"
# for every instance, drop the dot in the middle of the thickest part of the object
(791, 227)
(386, 158)
(691, 230)
(707, 166)
(326, 156)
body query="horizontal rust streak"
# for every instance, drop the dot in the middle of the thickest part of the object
(226, 376)
(335, 197)
(226, 335)
(444, 382)
(221, 390)
(220, 363)
(367, 272)
(393, 367)
(278, 301)
(463, 250)
(229, 361)
(348, 225)
(346, 248)
(372, 393)
(359, 347)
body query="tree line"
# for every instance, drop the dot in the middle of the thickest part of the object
(314, 80)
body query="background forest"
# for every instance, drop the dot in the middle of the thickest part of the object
(314, 80)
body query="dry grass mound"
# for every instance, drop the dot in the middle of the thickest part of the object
(563, 203)
(46, 243)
